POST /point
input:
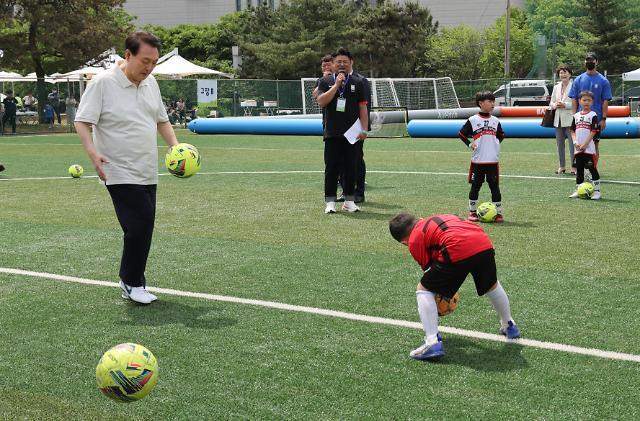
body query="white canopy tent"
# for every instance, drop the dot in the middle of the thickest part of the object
(95, 68)
(634, 75)
(10, 77)
(177, 66)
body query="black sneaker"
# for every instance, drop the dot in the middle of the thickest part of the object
(359, 199)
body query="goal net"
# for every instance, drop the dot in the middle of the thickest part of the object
(412, 94)
(388, 122)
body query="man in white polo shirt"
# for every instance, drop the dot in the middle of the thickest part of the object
(125, 108)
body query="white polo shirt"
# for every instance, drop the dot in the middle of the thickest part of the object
(124, 119)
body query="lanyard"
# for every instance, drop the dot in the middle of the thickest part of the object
(344, 85)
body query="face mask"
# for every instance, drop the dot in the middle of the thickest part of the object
(590, 65)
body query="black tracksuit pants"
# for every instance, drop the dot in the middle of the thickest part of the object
(135, 207)
(340, 157)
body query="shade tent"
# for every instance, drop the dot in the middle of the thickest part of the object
(96, 68)
(634, 75)
(10, 77)
(177, 66)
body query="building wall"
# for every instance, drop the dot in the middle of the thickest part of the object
(475, 13)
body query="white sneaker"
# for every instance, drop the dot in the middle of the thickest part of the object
(153, 297)
(137, 294)
(574, 195)
(596, 195)
(330, 208)
(350, 206)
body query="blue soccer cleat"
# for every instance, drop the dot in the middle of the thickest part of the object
(428, 351)
(512, 331)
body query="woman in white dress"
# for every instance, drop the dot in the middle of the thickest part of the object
(561, 102)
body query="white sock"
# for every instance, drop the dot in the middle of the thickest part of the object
(498, 207)
(500, 302)
(473, 205)
(428, 311)
(596, 185)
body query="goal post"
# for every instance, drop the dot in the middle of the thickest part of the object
(413, 94)
(388, 122)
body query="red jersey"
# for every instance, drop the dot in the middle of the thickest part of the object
(446, 239)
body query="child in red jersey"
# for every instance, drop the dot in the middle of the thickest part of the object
(448, 248)
(482, 133)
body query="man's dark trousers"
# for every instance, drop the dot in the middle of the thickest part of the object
(135, 207)
(339, 157)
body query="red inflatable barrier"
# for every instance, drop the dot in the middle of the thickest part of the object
(614, 111)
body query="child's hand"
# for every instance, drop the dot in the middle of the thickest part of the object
(473, 146)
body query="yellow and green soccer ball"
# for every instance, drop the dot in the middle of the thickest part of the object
(183, 160)
(585, 190)
(127, 372)
(76, 171)
(487, 212)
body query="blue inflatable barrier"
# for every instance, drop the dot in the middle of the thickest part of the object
(617, 128)
(256, 125)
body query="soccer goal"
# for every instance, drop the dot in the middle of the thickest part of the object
(388, 122)
(412, 94)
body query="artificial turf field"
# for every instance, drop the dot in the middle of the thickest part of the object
(251, 225)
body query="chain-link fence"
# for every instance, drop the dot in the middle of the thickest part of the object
(235, 97)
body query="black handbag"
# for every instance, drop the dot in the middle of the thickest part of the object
(547, 119)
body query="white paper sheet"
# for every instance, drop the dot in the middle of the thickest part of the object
(353, 132)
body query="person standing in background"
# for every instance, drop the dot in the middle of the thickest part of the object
(594, 82)
(342, 95)
(10, 109)
(54, 100)
(562, 103)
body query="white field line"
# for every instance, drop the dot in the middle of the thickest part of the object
(532, 177)
(611, 355)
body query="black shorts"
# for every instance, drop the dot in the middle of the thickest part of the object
(478, 173)
(446, 278)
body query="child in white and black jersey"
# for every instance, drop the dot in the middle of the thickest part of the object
(483, 134)
(584, 129)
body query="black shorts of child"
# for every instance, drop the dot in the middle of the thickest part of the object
(479, 172)
(447, 278)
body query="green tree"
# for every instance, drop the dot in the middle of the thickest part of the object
(570, 24)
(615, 35)
(288, 42)
(390, 38)
(57, 35)
(454, 52)
(522, 47)
(207, 45)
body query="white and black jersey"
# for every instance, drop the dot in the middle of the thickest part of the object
(485, 131)
(583, 125)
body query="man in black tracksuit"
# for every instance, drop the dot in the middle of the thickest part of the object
(343, 98)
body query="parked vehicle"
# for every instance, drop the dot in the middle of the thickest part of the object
(624, 99)
(524, 93)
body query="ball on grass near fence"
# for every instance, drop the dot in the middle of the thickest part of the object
(76, 171)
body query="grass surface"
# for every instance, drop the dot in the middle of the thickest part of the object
(569, 266)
